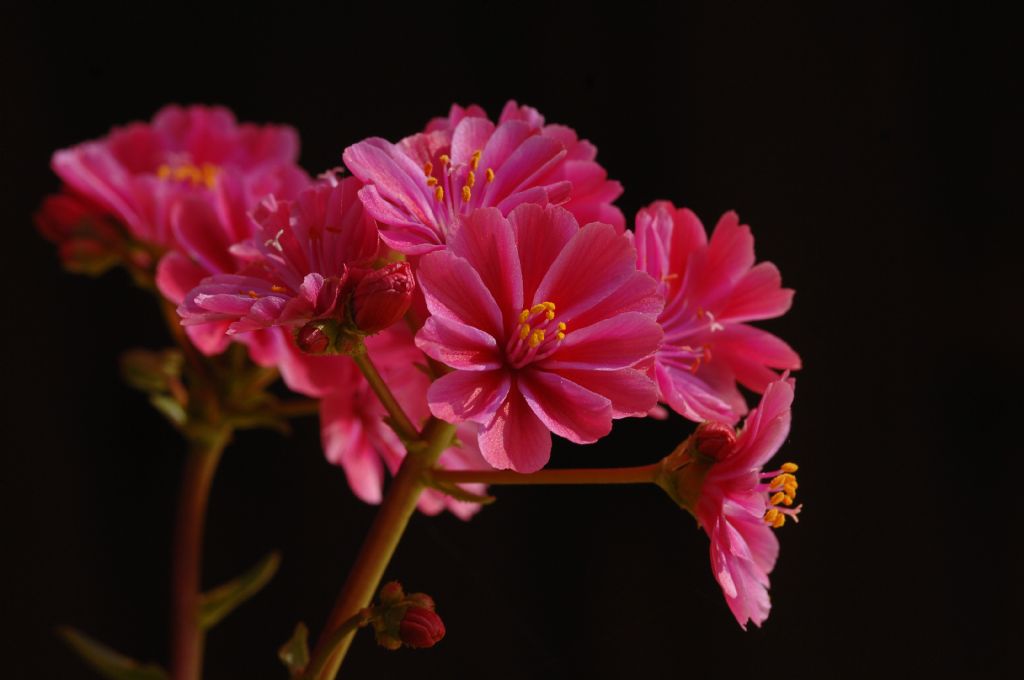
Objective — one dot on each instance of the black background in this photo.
(876, 153)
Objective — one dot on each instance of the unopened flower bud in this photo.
(88, 239)
(714, 440)
(318, 336)
(391, 593)
(421, 628)
(382, 297)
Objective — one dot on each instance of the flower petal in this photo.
(468, 395)
(618, 342)
(457, 345)
(568, 410)
(454, 290)
(515, 438)
(632, 393)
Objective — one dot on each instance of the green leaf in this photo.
(295, 653)
(106, 661)
(170, 407)
(152, 371)
(222, 600)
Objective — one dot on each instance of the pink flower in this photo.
(138, 171)
(355, 436)
(739, 505)
(543, 323)
(421, 188)
(711, 289)
(299, 263)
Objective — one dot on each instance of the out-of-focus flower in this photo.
(711, 288)
(355, 436)
(421, 188)
(543, 323)
(717, 475)
(299, 263)
(138, 171)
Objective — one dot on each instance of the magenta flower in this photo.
(421, 188)
(299, 263)
(138, 171)
(711, 290)
(739, 504)
(543, 323)
(355, 436)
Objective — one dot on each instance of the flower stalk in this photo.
(642, 474)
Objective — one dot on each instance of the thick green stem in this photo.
(400, 422)
(392, 518)
(628, 475)
(186, 633)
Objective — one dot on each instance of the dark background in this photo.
(875, 152)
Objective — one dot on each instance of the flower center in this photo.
(455, 183)
(782, 488)
(198, 175)
(536, 337)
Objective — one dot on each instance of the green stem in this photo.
(297, 408)
(628, 475)
(385, 533)
(399, 421)
(186, 633)
(319, 662)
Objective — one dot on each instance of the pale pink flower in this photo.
(355, 436)
(711, 288)
(138, 171)
(300, 263)
(421, 188)
(543, 323)
(739, 504)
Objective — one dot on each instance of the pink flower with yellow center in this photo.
(138, 171)
(718, 475)
(543, 323)
(712, 289)
(421, 188)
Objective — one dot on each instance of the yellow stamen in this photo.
(474, 160)
(787, 501)
(538, 308)
(779, 497)
(561, 326)
(467, 193)
(524, 330)
(524, 315)
(560, 335)
(428, 168)
(164, 171)
(254, 295)
(439, 193)
(470, 179)
(779, 521)
(444, 159)
(278, 289)
(771, 515)
(790, 467)
(431, 181)
(490, 175)
(536, 337)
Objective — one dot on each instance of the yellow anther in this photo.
(549, 305)
(771, 515)
(789, 490)
(470, 179)
(210, 173)
(524, 330)
(536, 337)
(439, 193)
(164, 171)
(790, 467)
(490, 175)
(524, 315)
(561, 326)
(444, 159)
(474, 160)
(428, 168)
(278, 289)
(779, 497)
(467, 193)
(560, 336)
(538, 308)
(254, 295)
(782, 480)
(431, 181)
(787, 501)
(779, 521)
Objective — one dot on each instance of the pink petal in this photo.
(618, 342)
(707, 395)
(515, 438)
(758, 295)
(345, 443)
(751, 353)
(468, 395)
(632, 393)
(567, 409)
(458, 345)
(455, 291)
(176, 275)
(766, 428)
(541, 234)
(487, 241)
(637, 293)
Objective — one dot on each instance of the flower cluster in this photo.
(484, 269)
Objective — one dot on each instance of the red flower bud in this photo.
(713, 440)
(421, 627)
(88, 238)
(316, 337)
(382, 297)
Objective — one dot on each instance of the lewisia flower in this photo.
(718, 476)
(301, 263)
(355, 436)
(543, 323)
(421, 188)
(138, 171)
(711, 288)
